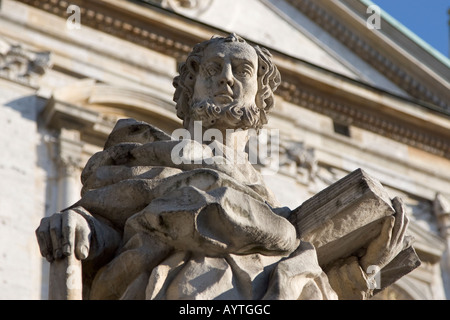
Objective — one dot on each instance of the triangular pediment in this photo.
(263, 23)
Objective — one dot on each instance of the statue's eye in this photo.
(244, 71)
(211, 69)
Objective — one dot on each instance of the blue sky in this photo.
(426, 18)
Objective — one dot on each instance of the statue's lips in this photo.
(223, 98)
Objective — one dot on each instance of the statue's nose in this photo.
(226, 77)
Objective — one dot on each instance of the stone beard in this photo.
(233, 116)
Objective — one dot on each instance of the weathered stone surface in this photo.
(112, 156)
(66, 279)
(130, 130)
(343, 217)
(405, 262)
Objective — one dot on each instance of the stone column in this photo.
(69, 167)
(65, 275)
(441, 208)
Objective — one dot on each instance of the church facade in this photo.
(357, 91)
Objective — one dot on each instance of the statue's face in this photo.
(227, 74)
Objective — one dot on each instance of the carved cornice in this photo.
(154, 35)
(368, 53)
(21, 65)
(197, 6)
(365, 118)
(441, 208)
(429, 246)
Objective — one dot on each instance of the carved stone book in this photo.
(345, 217)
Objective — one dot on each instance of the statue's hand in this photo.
(63, 234)
(391, 240)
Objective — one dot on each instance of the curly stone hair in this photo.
(268, 80)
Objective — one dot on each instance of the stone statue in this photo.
(198, 223)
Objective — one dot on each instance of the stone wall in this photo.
(22, 188)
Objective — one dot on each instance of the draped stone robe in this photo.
(192, 230)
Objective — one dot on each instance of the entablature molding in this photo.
(155, 30)
(93, 109)
(352, 103)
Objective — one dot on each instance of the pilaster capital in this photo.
(69, 150)
(22, 65)
(441, 208)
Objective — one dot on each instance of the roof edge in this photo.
(410, 34)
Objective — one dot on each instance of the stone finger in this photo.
(387, 230)
(403, 225)
(82, 238)
(398, 205)
(56, 235)
(402, 233)
(44, 241)
(68, 231)
(398, 228)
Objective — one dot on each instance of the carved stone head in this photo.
(227, 84)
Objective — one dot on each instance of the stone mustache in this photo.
(148, 228)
